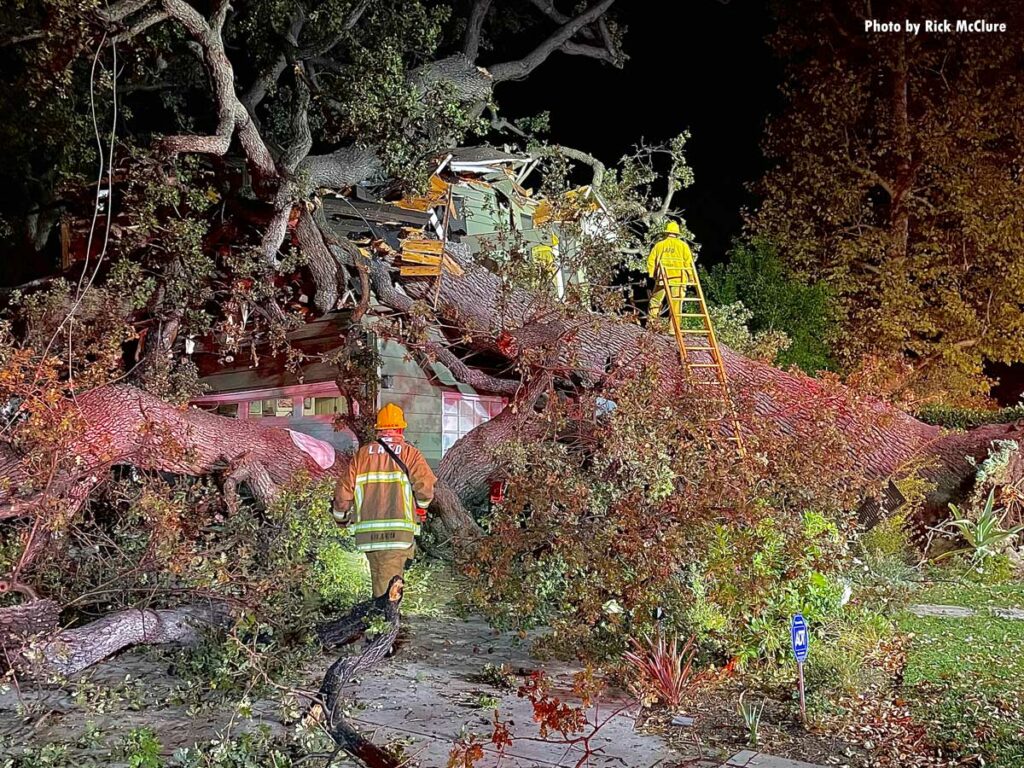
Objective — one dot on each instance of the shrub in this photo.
(732, 327)
(985, 535)
(648, 515)
(955, 417)
(778, 302)
(661, 668)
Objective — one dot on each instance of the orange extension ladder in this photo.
(698, 347)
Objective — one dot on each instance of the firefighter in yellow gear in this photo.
(383, 496)
(547, 258)
(672, 253)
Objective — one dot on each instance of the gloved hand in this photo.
(343, 518)
(421, 514)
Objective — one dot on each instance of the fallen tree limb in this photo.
(19, 623)
(73, 650)
(346, 630)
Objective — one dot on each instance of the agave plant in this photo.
(985, 536)
(662, 666)
(751, 714)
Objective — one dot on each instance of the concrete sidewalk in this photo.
(426, 698)
(748, 759)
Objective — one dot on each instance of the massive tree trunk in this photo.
(520, 324)
(124, 425)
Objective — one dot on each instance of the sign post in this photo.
(800, 639)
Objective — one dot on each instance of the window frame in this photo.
(495, 404)
(296, 393)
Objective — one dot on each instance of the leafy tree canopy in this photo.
(897, 181)
(777, 302)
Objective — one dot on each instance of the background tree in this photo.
(774, 303)
(897, 182)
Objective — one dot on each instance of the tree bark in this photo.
(73, 650)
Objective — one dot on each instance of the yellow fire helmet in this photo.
(391, 417)
(671, 227)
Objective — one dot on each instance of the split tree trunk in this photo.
(124, 425)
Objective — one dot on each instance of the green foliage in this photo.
(732, 328)
(253, 749)
(486, 701)
(141, 749)
(497, 675)
(984, 533)
(745, 612)
(643, 498)
(845, 657)
(780, 306)
(955, 417)
(158, 540)
(886, 552)
(751, 713)
(872, 193)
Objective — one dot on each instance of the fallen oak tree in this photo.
(556, 351)
(124, 425)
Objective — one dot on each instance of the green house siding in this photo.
(412, 390)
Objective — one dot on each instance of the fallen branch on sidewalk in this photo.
(346, 630)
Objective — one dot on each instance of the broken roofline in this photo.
(484, 159)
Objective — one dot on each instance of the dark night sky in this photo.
(699, 65)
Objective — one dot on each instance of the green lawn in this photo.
(966, 676)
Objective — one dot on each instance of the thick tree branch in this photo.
(118, 12)
(253, 97)
(586, 158)
(150, 19)
(74, 650)
(302, 137)
(319, 259)
(474, 29)
(517, 70)
(478, 380)
(232, 115)
(591, 51)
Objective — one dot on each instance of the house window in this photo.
(279, 407)
(227, 409)
(323, 406)
(463, 413)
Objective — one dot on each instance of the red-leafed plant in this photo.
(662, 669)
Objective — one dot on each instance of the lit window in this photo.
(228, 409)
(463, 413)
(323, 406)
(274, 407)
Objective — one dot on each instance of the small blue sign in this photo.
(799, 637)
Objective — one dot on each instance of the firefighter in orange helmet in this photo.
(383, 495)
(674, 255)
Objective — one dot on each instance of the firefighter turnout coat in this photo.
(377, 498)
(675, 256)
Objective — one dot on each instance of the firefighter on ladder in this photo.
(672, 253)
(388, 485)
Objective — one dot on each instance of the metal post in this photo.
(800, 683)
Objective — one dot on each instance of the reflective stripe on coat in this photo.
(382, 496)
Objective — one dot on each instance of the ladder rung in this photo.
(705, 365)
(701, 331)
(692, 314)
(700, 349)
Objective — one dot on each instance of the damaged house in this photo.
(474, 201)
